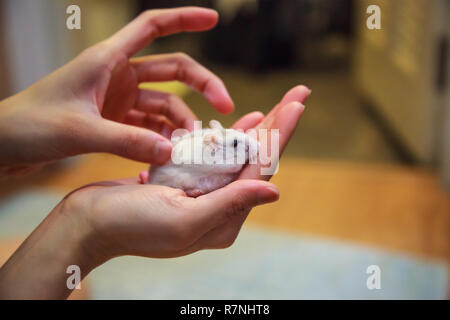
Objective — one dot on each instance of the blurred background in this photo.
(364, 181)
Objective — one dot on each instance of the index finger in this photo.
(286, 122)
(152, 24)
(233, 200)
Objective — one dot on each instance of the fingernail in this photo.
(268, 194)
(307, 96)
(227, 96)
(162, 152)
(220, 99)
(298, 105)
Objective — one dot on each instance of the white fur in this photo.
(184, 173)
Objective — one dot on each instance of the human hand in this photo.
(284, 117)
(113, 218)
(93, 103)
(130, 218)
(156, 221)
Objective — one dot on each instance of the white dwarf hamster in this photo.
(205, 160)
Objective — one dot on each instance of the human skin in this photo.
(93, 103)
(124, 217)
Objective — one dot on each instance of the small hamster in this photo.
(205, 160)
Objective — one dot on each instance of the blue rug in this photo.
(262, 264)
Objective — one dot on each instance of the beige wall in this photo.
(36, 40)
(4, 74)
(395, 69)
(101, 18)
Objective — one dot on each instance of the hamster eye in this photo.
(235, 143)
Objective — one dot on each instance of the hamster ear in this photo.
(214, 124)
(178, 134)
(211, 140)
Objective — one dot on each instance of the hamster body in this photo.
(205, 160)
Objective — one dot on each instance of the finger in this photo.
(158, 23)
(154, 122)
(115, 182)
(297, 94)
(168, 105)
(127, 141)
(286, 122)
(180, 67)
(127, 181)
(248, 121)
(20, 170)
(105, 183)
(222, 236)
(235, 199)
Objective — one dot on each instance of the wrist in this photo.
(79, 238)
(38, 269)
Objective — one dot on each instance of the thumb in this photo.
(233, 200)
(128, 141)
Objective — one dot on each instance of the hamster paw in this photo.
(194, 193)
(143, 177)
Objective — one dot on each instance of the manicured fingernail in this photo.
(268, 194)
(162, 151)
